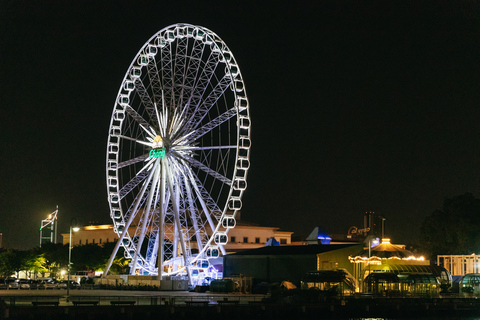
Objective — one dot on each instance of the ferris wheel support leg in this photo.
(120, 239)
(177, 222)
(205, 209)
(161, 217)
(194, 215)
(146, 216)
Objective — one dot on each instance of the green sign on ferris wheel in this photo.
(157, 153)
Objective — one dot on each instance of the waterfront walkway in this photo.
(111, 304)
(106, 297)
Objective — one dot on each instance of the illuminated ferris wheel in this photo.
(178, 153)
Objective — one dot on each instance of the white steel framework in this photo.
(178, 153)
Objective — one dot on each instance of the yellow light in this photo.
(50, 216)
(105, 226)
(75, 229)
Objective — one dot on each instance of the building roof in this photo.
(292, 250)
(405, 268)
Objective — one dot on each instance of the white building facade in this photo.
(460, 265)
(241, 237)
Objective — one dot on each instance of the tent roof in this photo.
(385, 250)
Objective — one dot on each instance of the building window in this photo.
(107, 240)
(257, 240)
(100, 240)
(232, 239)
(93, 241)
(80, 242)
(245, 239)
(86, 241)
(283, 241)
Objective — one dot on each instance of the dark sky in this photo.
(356, 106)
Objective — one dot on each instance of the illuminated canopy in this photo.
(384, 251)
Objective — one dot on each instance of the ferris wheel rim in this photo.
(240, 108)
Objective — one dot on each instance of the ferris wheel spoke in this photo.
(191, 73)
(194, 148)
(179, 71)
(202, 110)
(147, 143)
(167, 71)
(201, 84)
(137, 117)
(209, 206)
(135, 181)
(146, 100)
(213, 123)
(132, 161)
(155, 82)
(197, 164)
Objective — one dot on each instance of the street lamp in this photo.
(74, 229)
(370, 241)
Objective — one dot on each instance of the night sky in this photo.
(356, 106)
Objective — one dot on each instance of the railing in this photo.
(172, 300)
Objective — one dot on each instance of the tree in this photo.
(87, 257)
(36, 263)
(120, 266)
(94, 257)
(454, 229)
(12, 262)
(55, 254)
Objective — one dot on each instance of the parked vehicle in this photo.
(73, 284)
(34, 284)
(24, 283)
(12, 283)
(51, 284)
(62, 284)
